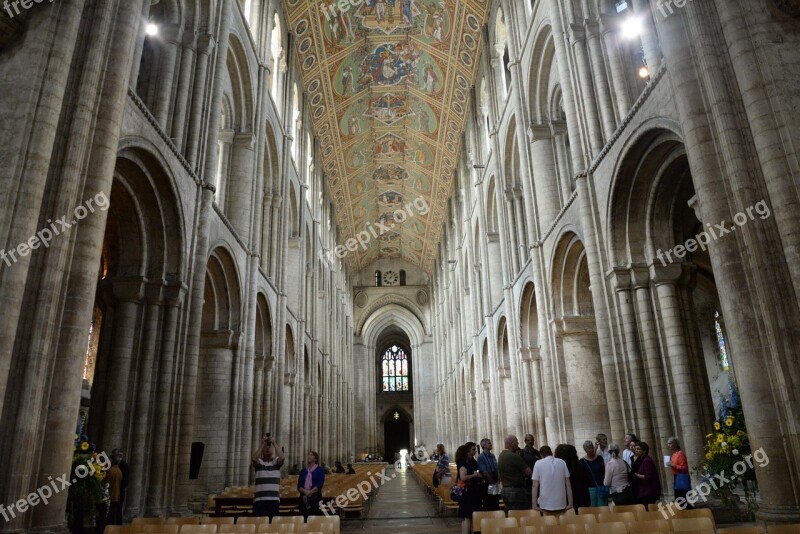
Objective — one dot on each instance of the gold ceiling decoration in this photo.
(388, 82)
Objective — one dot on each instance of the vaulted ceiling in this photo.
(388, 84)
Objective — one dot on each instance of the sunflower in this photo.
(709, 435)
(709, 456)
(729, 421)
(85, 446)
(739, 433)
(716, 425)
(720, 438)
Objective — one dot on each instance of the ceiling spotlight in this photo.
(151, 29)
(644, 72)
(632, 28)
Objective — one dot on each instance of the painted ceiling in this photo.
(388, 82)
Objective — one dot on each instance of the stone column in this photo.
(564, 177)
(600, 80)
(180, 115)
(172, 36)
(129, 294)
(653, 364)
(652, 50)
(161, 427)
(141, 416)
(544, 177)
(579, 161)
(598, 290)
(240, 184)
(584, 376)
(687, 410)
(223, 174)
(89, 168)
(616, 62)
(577, 37)
(637, 385)
(205, 45)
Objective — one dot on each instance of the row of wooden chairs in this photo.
(175, 525)
(220, 529)
(633, 528)
(698, 521)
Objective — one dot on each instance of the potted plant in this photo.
(88, 497)
(727, 450)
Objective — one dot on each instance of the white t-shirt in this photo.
(553, 475)
(627, 455)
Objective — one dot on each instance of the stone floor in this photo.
(401, 506)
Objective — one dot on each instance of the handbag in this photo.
(458, 492)
(683, 482)
(436, 479)
(632, 480)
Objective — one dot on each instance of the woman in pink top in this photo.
(679, 465)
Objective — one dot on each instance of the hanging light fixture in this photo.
(151, 29)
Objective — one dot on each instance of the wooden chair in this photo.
(696, 512)
(741, 530)
(200, 529)
(477, 517)
(703, 524)
(322, 528)
(183, 521)
(612, 527)
(334, 520)
(652, 516)
(120, 529)
(276, 528)
(784, 529)
(635, 508)
(576, 519)
(563, 529)
(249, 520)
(288, 519)
(619, 517)
(139, 522)
(519, 530)
(594, 510)
(650, 526)
(217, 521)
(491, 526)
(538, 521)
(237, 529)
(160, 529)
(524, 513)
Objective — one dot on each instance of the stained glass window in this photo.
(395, 369)
(723, 350)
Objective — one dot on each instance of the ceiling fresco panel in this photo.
(388, 84)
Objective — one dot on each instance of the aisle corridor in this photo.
(401, 506)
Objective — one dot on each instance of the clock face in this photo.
(390, 278)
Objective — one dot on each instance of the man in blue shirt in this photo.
(487, 464)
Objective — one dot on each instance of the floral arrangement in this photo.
(88, 492)
(727, 446)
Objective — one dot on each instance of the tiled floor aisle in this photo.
(401, 506)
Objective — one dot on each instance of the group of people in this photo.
(552, 482)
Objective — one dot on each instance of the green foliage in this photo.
(88, 493)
